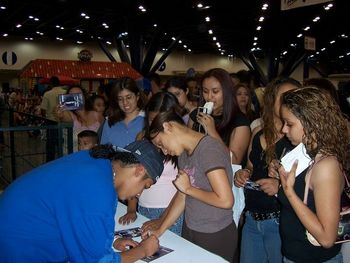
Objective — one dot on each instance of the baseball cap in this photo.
(147, 154)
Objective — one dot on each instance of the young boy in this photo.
(87, 139)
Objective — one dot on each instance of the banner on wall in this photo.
(9, 58)
(310, 43)
(290, 4)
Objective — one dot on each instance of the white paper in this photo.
(298, 153)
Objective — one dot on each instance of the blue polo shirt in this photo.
(121, 134)
(61, 211)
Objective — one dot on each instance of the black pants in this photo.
(222, 243)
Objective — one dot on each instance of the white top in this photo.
(184, 251)
(160, 194)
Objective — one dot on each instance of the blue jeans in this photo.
(337, 259)
(261, 241)
(155, 213)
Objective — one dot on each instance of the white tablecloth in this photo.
(184, 251)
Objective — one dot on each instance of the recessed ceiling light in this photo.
(155, 25)
(323, 49)
(109, 43)
(189, 50)
(214, 38)
(258, 28)
(199, 5)
(255, 38)
(87, 17)
(207, 19)
(306, 28)
(5, 35)
(18, 25)
(332, 42)
(2, 7)
(82, 14)
(254, 44)
(300, 35)
(316, 19)
(261, 19)
(210, 32)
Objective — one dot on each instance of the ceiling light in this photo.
(261, 19)
(104, 24)
(5, 35)
(329, 6)
(316, 19)
(173, 38)
(82, 14)
(222, 53)
(210, 32)
(207, 19)
(332, 42)
(323, 49)
(265, 6)
(163, 49)
(258, 28)
(36, 19)
(185, 46)
(341, 56)
(127, 46)
(317, 53)
(18, 25)
(141, 7)
(143, 10)
(253, 49)
(155, 25)
(300, 35)
(214, 38)
(200, 5)
(2, 7)
(58, 38)
(189, 50)
(31, 17)
(87, 17)
(306, 28)
(285, 52)
(180, 41)
(254, 44)
(255, 38)
(79, 42)
(293, 45)
(109, 43)
(348, 54)
(344, 36)
(311, 56)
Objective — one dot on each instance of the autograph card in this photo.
(161, 252)
(298, 153)
(129, 233)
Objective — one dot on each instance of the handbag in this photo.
(343, 234)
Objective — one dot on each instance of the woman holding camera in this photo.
(84, 118)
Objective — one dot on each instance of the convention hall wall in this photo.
(176, 63)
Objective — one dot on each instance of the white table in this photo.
(184, 251)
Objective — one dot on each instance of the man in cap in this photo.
(64, 210)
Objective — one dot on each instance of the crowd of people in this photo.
(173, 164)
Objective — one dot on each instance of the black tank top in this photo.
(258, 201)
(295, 245)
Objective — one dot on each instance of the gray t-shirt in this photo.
(209, 155)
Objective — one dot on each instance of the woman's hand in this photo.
(207, 122)
(270, 186)
(241, 177)
(151, 225)
(150, 245)
(273, 169)
(182, 182)
(128, 218)
(123, 244)
(288, 178)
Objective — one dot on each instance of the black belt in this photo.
(264, 216)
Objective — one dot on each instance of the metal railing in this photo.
(27, 141)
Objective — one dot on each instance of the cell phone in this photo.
(252, 185)
(73, 101)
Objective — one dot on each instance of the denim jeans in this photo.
(337, 259)
(261, 241)
(155, 213)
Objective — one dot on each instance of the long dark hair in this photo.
(323, 122)
(230, 107)
(115, 114)
(162, 102)
(269, 130)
